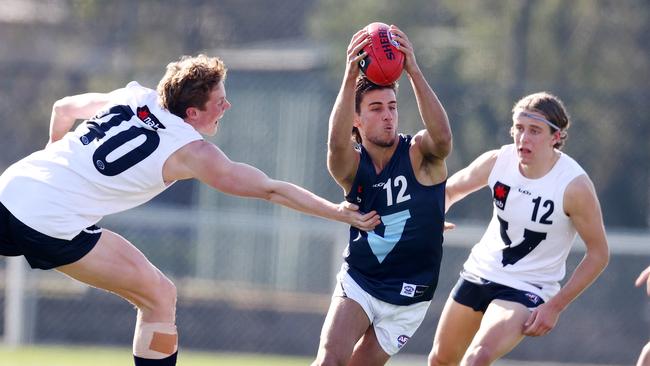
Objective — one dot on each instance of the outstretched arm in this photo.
(581, 205)
(205, 162)
(437, 141)
(470, 179)
(467, 180)
(342, 159)
(69, 109)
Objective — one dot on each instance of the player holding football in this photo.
(509, 287)
(135, 143)
(389, 275)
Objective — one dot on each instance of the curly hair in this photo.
(188, 83)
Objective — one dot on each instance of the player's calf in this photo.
(155, 341)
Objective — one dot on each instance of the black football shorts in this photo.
(40, 250)
(479, 295)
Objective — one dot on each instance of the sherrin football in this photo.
(384, 62)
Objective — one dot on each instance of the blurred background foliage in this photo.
(479, 56)
(253, 277)
(482, 56)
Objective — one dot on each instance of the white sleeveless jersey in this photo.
(108, 164)
(529, 237)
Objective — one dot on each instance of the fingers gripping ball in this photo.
(384, 62)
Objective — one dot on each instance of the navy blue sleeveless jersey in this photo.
(399, 261)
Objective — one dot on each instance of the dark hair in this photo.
(551, 107)
(188, 83)
(364, 86)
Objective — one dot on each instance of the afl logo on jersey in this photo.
(500, 191)
(408, 290)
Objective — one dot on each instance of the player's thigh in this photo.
(501, 328)
(368, 351)
(457, 326)
(345, 323)
(114, 264)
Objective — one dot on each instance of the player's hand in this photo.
(449, 226)
(356, 53)
(541, 321)
(404, 45)
(644, 277)
(365, 222)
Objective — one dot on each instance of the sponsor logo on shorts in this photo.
(401, 340)
(533, 298)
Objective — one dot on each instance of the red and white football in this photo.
(384, 62)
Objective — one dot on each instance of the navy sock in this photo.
(167, 361)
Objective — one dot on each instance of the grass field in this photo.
(95, 356)
(106, 356)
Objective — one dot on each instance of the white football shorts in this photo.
(394, 324)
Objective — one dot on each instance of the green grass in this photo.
(96, 356)
(107, 356)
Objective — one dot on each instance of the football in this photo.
(384, 62)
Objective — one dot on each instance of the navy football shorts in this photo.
(40, 250)
(479, 295)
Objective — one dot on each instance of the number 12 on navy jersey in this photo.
(399, 182)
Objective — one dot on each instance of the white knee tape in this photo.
(155, 340)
